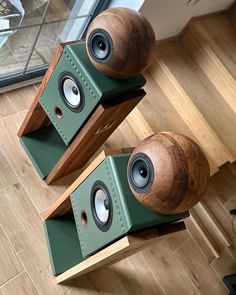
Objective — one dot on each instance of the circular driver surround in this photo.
(101, 206)
(140, 173)
(100, 45)
(71, 92)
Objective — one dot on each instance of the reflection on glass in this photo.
(46, 44)
(8, 63)
(15, 52)
(31, 29)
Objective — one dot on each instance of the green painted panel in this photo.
(138, 216)
(63, 243)
(129, 215)
(106, 87)
(96, 87)
(91, 238)
(44, 147)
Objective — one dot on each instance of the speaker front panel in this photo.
(98, 211)
(69, 98)
(76, 87)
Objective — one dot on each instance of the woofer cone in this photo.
(100, 45)
(71, 92)
(140, 173)
(101, 206)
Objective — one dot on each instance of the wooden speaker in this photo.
(168, 172)
(120, 42)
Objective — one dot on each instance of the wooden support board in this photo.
(121, 249)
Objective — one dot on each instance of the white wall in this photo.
(168, 17)
(133, 4)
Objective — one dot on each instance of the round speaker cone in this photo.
(100, 45)
(71, 92)
(101, 206)
(140, 172)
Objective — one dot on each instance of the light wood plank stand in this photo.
(117, 251)
(105, 119)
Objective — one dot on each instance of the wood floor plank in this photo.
(22, 98)
(212, 65)
(107, 282)
(195, 120)
(220, 214)
(41, 195)
(7, 176)
(167, 270)
(21, 285)
(178, 239)
(225, 265)
(203, 243)
(220, 35)
(6, 108)
(10, 264)
(200, 272)
(221, 187)
(136, 276)
(24, 227)
(201, 91)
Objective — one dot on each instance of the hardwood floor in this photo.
(191, 89)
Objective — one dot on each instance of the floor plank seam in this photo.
(192, 237)
(181, 266)
(11, 102)
(12, 279)
(155, 277)
(16, 253)
(17, 177)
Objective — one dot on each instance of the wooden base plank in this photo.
(121, 249)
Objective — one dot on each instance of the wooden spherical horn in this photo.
(120, 42)
(168, 173)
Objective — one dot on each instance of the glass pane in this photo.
(62, 9)
(45, 47)
(21, 12)
(8, 63)
(16, 50)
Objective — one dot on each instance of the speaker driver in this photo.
(101, 206)
(141, 173)
(100, 45)
(71, 92)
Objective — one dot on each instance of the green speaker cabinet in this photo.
(105, 208)
(75, 110)
(95, 222)
(76, 87)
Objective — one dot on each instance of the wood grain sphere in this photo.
(120, 42)
(178, 175)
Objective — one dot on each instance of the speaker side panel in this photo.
(138, 216)
(92, 237)
(66, 121)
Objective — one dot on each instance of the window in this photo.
(31, 29)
